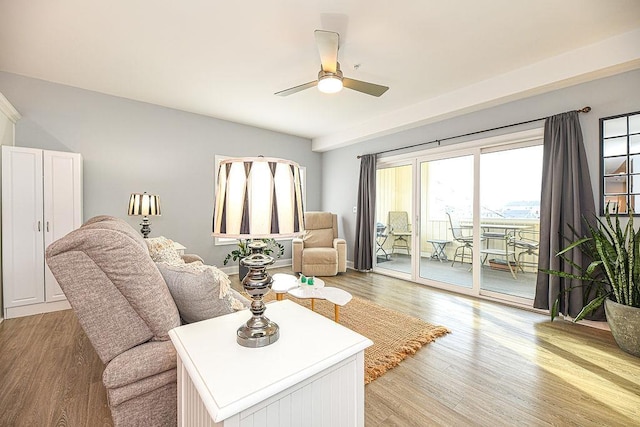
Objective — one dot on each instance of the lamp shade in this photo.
(258, 197)
(144, 204)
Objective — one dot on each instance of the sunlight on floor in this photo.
(571, 362)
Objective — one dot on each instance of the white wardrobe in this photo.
(41, 202)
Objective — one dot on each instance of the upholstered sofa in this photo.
(320, 252)
(125, 308)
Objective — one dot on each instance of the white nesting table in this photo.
(305, 291)
(313, 374)
(282, 283)
(286, 283)
(337, 296)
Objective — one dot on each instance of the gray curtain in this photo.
(566, 197)
(366, 214)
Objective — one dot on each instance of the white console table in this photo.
(313, 374)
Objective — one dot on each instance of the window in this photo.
(620, 163)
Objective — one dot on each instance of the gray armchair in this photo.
(126, 310)
(320, 252)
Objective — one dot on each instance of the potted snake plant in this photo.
(274, 249)
(613, 276)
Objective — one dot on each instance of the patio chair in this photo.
(465, 241)
(400, 229)
(381, 238)
(529, 242)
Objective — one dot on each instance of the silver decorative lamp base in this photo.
(258, 331)
(146, 227)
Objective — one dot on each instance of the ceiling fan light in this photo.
(330, 84)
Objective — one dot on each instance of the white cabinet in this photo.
(41, 202)
(8, 118)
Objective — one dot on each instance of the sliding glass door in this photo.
(446, 220)
(466, 220)
(510, 219)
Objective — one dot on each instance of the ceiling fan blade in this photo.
(296, 89)
(328, 43)
(364, 87)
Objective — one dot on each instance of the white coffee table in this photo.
(337, 296)
(305, 291)
(282, 283)
(287, 283)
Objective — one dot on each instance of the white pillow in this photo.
(162, 249)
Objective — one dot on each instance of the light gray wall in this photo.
(130, 146)
(608, 96)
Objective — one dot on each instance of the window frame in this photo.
(628, 174)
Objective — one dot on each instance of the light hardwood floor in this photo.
(500, 366)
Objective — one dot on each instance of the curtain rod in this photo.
(582, 110)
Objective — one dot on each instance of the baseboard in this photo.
(29, 310)
(351, 267)
(234, 268)
(590, 323)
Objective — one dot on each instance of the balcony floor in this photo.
(460, 274)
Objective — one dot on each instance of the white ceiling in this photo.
(226, 59)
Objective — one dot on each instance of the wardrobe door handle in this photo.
(39, 226)
(47, 226)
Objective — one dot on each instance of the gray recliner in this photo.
(125, 308)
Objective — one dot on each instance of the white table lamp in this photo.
(145, 205)
(256, 198)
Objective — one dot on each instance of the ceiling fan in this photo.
(330, 79)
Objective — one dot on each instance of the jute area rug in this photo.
(395, 335)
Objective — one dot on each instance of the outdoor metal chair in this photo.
(465, 241)
(400, 229)
(381, 238)
(529, 243)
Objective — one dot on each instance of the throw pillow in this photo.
(161, 249)
(201, 292)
